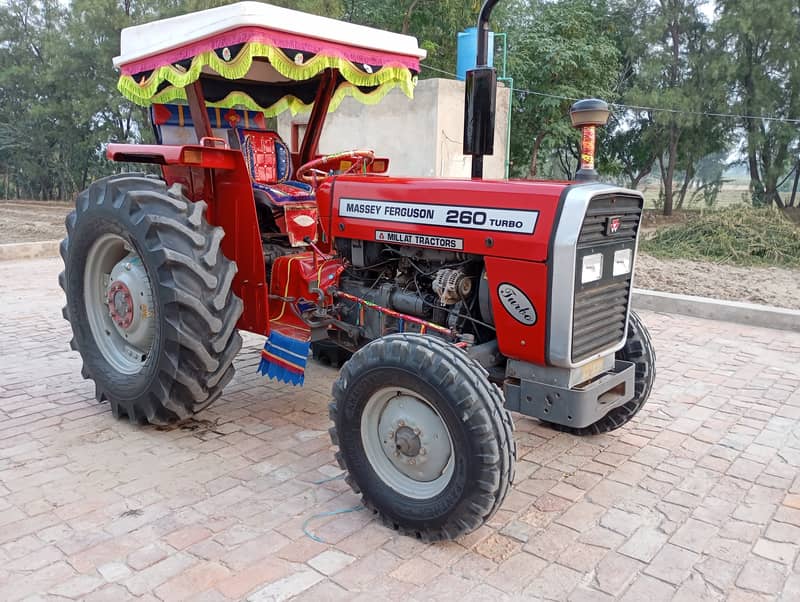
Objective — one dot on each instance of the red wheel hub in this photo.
(120, 305)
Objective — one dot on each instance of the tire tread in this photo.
(200, 338)
(481, 407)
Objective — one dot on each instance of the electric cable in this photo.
(641, 107)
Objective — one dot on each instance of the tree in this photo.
(632, 146)
(557, 51)
(764, 80)
(670, 71)
(433, 22)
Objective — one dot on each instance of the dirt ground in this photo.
(28, 221)
(32, 221)
(767, 286)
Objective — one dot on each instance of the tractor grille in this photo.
(598, 319)
(601, 208)
(601, 308)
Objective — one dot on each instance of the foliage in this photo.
(741, 235)
(565, 50)
(433, 22)
(763, 80)
(59, 105)
(58, 97)
(668, 62)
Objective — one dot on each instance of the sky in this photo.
(708, 9)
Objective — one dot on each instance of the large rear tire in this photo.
(149, 299)
(423, 436)
(639, 350)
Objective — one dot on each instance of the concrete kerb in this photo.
(749, 314)
(29, 250)
(670, 303)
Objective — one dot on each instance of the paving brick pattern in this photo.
(697, 499)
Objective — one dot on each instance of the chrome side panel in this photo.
(559, 344)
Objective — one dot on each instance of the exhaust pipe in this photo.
(480, 98)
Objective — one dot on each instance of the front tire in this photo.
(149, 299)
(423, 436)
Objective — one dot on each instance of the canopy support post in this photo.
(197, 109)
(318, 113)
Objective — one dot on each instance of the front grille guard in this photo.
(591, 321)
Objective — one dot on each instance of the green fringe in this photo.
(367, 98)
(145, 93)
(291, 103)
(236, 100)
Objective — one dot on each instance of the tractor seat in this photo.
(269, 163)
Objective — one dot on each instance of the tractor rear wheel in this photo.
(149, 299)
(638, 350)
(423, 436)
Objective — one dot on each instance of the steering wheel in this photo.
(315, 171)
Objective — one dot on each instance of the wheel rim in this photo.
(119, 303)
(407, 443)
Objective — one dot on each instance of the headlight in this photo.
(592, 268)
(622, 262)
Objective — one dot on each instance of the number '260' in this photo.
(465, 217)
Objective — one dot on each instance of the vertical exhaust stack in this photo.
(480, 97)
(586, 115)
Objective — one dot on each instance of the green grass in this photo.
(736, 235)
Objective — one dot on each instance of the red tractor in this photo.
(459, 300)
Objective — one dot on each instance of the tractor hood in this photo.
(513, 219)
(262, 57)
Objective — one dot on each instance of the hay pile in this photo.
(738, 235)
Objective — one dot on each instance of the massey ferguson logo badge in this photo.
(613, 224)
(517, 304)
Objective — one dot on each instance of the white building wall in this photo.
(421, 137)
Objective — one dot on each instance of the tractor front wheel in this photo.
(149, 299)
(423, 436)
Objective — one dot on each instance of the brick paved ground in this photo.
(698, 499)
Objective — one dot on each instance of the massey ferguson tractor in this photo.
(456, 300)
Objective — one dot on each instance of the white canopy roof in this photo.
(150, 39)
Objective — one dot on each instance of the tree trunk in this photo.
(750, 125)
(687, 179)
(794, 186)
(771, 193)
(639, 177)
(672, 156)
(537, 144)
(672, 159)
(407, 16)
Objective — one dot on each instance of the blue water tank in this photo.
(467, 50)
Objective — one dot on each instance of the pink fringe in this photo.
(276, 39)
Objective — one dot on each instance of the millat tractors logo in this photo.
(517, 304)
(613, 225)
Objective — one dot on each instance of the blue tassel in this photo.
(284, 358)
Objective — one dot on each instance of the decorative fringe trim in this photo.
(284, 358)
(291, 103)
(145, 92)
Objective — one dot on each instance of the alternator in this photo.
(451, 285)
